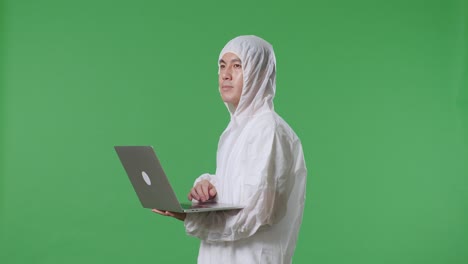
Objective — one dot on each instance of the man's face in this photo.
(231, 78)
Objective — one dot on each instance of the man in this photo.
(260, 164)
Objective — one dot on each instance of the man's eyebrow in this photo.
(233, 60)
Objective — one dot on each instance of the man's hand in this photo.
(180, 216)
(202, 191)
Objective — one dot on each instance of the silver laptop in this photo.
(152, 186)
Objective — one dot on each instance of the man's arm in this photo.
(266, 193)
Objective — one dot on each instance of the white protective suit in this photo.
(260, 164)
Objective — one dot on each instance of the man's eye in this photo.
(237, 66)
(222, 66)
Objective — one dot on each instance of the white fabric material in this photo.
(260, 164)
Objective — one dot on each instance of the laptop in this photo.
(152, 185)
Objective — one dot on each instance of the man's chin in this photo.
(226, 99)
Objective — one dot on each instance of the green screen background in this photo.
(376, 90)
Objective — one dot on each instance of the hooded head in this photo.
(258, 63)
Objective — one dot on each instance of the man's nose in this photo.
(227, 75)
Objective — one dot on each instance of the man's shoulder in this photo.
(271, 123)
(265, 121)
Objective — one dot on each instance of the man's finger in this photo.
(168, 213)
(194, 194)
(199, 192)
(159, 212)
(205, 191)
(212, 192)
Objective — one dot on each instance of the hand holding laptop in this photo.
(180, 216)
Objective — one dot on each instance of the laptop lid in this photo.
(148, 178)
